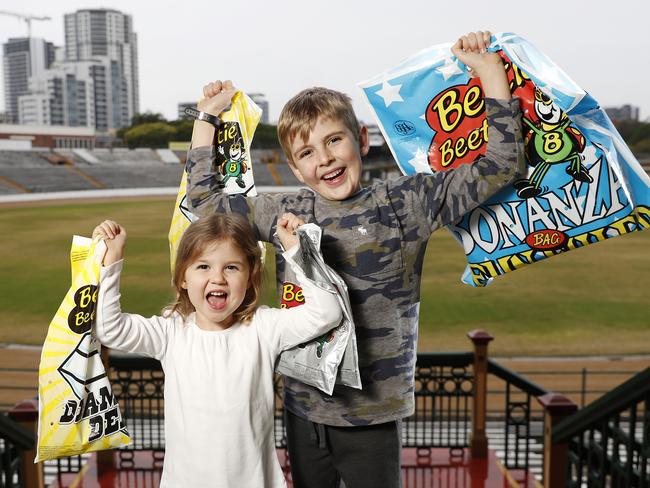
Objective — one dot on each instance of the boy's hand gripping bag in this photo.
(583, 183)
(331, 358)
(77, 410)
(233, 167)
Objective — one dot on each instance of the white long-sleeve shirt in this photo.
(219, 398)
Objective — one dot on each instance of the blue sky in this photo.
(283, 46)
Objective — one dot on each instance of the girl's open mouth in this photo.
(217, 299)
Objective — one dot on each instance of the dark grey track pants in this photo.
(322, 456)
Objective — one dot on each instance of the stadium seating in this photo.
(45, 179)
(23, 159)
(123, 156)
(287, 177)
(262, 175)
(167, 156)
(85, 169)
(7, 189)
(136, 176)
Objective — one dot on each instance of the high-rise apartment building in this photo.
(106, 37)
(61, 95)
(22, 58)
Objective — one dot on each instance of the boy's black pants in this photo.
(363, 457)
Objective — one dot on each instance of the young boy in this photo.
(375, 238)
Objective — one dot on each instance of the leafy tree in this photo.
(120, 132)
(183, 129)
(153, 135)
(635, 134)
(641, 147)
(147, 118)
(266, 137)
(633, 131)
(139, 119)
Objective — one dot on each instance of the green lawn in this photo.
(589, 301)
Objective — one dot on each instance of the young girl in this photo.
(217, 349)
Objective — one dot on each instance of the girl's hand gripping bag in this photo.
(233, 167)
(583, 183)
(331, 358)
(77, 410)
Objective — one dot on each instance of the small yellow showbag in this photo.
(77, 410)
(233, 164)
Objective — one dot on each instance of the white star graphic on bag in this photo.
(390, 93)
(420, 162)
(449, 69)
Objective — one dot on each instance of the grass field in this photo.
(589, 301)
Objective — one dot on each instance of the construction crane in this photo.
(27, 18)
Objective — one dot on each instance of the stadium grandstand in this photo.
(38, 170)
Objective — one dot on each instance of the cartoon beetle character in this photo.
(551, 140)
(326, 338)
(322, 340)
(234, 166)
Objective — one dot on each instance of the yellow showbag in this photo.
(77, 410)
(232, 168)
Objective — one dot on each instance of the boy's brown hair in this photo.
(300, 114)
(201, 234)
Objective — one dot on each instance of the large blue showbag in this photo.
(583, 183)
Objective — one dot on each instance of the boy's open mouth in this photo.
(334, 176)
(217, 299)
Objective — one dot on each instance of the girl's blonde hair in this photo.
(205, 232)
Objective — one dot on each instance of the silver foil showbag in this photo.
(332, 357)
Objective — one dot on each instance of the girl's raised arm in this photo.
(114, 329)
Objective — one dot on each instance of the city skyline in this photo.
(280, 48)
(89, 81)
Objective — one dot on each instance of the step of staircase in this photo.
(421, 468)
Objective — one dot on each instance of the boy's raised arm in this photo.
(446, 196)
(204, 195)
(217, 95)
(472, 51)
